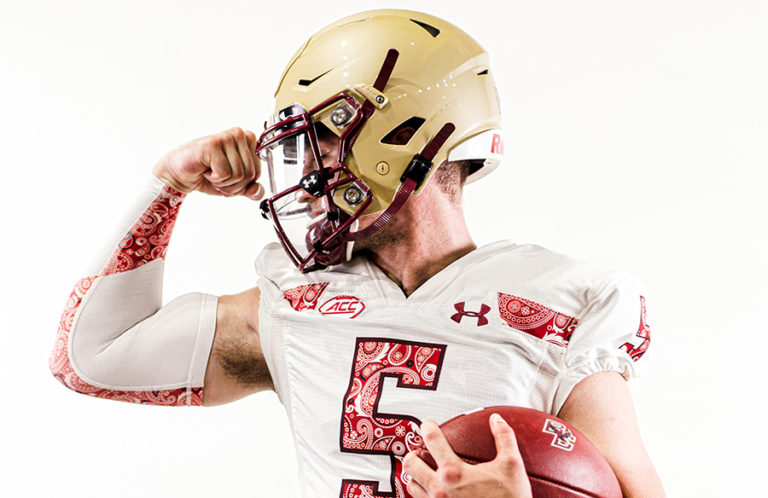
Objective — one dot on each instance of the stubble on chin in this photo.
(389, 235)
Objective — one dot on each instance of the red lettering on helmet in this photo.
(497, 144)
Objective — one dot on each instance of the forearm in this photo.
(114, 340)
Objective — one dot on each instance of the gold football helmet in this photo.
(397, 93)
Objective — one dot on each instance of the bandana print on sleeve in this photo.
(536, 319)
(644, 332)
(305, 297)
(146, 241)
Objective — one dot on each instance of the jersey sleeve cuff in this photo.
(205, 333)
(606, 361)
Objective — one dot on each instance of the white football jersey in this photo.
(358, 365)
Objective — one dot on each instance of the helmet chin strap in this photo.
(414, 175)
(349, 245)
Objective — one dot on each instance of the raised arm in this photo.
(116, 341)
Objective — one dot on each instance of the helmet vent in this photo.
(403, 132)
(483, 72)
(309, 82)
(429, 28)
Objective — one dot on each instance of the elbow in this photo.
(61, 367)
(59, 363)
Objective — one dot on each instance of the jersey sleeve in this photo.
(272, 266)
(116, 340)
(613, 335)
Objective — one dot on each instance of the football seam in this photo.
(563, 485)
(544, 479)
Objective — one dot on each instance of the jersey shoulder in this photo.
(537, 273)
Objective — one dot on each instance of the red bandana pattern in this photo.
(536, 319)
(364, 429)
(146, 241)
(305, 297)
(644, 332)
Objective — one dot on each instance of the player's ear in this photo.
(403, 133)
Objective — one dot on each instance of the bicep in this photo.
(236, 366)
(600, 406)
(115, 342)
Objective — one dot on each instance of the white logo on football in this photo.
(564, 438)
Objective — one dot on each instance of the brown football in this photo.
(561, 462)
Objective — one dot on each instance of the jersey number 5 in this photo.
(364, 429)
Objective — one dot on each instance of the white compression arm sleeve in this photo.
(116, 341)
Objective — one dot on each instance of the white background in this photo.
(635, 139)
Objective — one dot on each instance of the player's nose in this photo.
(317, 206)
(315, 203)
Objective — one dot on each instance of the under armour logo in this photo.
(311, 183)
(480, 315)
(564, 438)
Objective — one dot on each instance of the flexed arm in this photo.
(116, 341)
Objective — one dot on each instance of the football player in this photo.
(376, 311)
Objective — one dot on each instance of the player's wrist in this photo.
(162, 175)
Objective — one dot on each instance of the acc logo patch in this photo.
(342, 305)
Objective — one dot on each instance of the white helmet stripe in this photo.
(487, 146)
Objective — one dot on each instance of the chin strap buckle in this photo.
(417, 170)
(414, 175)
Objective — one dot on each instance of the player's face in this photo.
(328, 144)
(301, 153)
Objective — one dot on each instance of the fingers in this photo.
(237, 163)
(505, 475)
(507, 451)
(422, 476)
(436, 443)
(251, 140)
(416, 490)
(254, 191)
(217, 161)
(220, 164)
(234, 167)
(450, 468)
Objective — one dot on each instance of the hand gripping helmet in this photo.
(395, 92)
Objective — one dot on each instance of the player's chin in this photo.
(389, 235)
